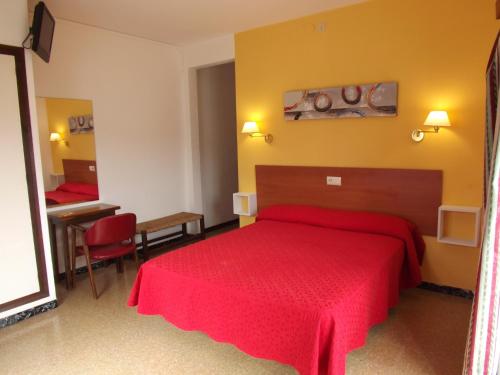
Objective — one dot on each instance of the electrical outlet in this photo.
(321, 27)
(334, 180)
(92, 168)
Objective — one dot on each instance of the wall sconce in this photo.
(436, 119)
(252, 129)
(56, 137)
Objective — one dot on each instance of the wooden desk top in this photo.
(79, 213)
(167, 222)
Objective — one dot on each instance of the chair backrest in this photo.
(111, 229)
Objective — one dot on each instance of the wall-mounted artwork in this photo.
(81, 124)
(376, 99)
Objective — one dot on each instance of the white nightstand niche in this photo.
(56, 179)
(443, 237)
(245, 204)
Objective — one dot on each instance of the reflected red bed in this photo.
(72, 192)
(301, 286)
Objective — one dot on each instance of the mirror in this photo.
(67, 145)
(23, 273)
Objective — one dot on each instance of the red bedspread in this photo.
(59, 197)
(297, 293)
(72, 192)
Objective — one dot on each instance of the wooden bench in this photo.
(181, 218)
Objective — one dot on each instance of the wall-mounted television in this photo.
(43, 31)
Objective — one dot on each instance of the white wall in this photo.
(135, 87)
(13, 22)
(143, 111)
(195, 56)
(218, 155)
(13, 29)
(209, 52)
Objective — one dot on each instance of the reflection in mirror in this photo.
(66, 131)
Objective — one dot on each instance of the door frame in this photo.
(194, 180)
(29, 162)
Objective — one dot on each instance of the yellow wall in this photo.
(80, 146)
(436, 50)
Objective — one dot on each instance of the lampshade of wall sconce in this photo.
(250, 127)
(437, 118)
(55, 137)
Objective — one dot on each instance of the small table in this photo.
(63, 219)
(181, 218)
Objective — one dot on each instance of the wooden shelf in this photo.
(441, 237)
(245, 204)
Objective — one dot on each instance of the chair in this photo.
(111, 237)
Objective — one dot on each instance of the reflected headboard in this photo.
(80, 171)
(414, 194)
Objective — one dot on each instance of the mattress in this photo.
(72, 193)
(293, 287)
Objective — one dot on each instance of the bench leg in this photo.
(145, 250)
(202, 227)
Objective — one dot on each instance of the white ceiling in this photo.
(181, 22)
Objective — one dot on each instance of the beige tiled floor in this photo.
(425, 334)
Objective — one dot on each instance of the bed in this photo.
(80, 183)
(304, 284)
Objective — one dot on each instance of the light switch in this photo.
(334, 180)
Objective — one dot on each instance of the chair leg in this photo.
(119, 265)
(136, 258)
(91, 273)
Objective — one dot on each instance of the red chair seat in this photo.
(111, 237)
(108, 251)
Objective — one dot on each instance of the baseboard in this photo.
(223, 225)
(450, 290)
(23, 315)
(83, 269)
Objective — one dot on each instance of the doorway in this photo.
(216, 104)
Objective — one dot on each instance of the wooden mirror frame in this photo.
(29, 162)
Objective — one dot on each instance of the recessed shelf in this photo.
(245, 204)
(56, 179)
(443, 237)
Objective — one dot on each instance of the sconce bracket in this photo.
(417, 135)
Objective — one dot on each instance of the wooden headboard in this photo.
(79, 171)
(414, 194)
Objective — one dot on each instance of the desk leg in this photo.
(145, 250)
(53, 246)
(67, 261)
(184, 230)
(202, 227)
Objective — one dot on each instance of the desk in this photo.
(63, 219)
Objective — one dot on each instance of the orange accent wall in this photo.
(437, 51)
(79, 146)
